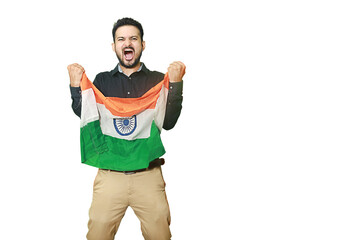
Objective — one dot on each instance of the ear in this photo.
(113, 46)
(143, 45)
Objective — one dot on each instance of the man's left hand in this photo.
(176, 71)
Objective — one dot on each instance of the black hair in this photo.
(127, 21)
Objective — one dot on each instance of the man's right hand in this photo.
(75, 72)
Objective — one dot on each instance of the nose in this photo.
(127, 42)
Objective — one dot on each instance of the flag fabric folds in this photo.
(121, 133)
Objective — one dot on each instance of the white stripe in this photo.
(161, 108)
(143, 125)
(89, 112)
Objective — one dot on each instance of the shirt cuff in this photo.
(176, 88)
(75, 91)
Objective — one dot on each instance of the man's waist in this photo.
(153, 164)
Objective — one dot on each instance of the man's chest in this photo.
(126, 87)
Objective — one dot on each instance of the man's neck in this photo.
(129, 71)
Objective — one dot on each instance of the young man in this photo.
(142, 188)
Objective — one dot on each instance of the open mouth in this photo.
(129, 54)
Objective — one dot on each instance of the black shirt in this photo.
(117, 84)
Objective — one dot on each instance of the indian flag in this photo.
(122, 133)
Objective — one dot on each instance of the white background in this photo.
(267, 145)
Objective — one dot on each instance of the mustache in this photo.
(125, 48)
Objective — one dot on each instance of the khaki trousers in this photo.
(144, 192)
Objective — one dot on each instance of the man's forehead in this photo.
(127, 30)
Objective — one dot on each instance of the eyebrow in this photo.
(129, 37)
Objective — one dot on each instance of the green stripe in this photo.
(103, 151)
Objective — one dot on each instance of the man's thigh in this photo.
(110, 201)
(149, 202)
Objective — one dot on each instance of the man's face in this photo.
(128, 46)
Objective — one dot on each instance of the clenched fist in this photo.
(176, 71)
(75, 72)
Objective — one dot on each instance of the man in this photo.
(141, 188)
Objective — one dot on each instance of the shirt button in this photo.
(128, 93)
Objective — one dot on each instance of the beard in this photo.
(130, 65)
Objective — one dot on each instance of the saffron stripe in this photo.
(127, 107)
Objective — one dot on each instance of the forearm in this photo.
(76, 100)
(173, 105)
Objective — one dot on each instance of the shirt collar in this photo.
(118, 69)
